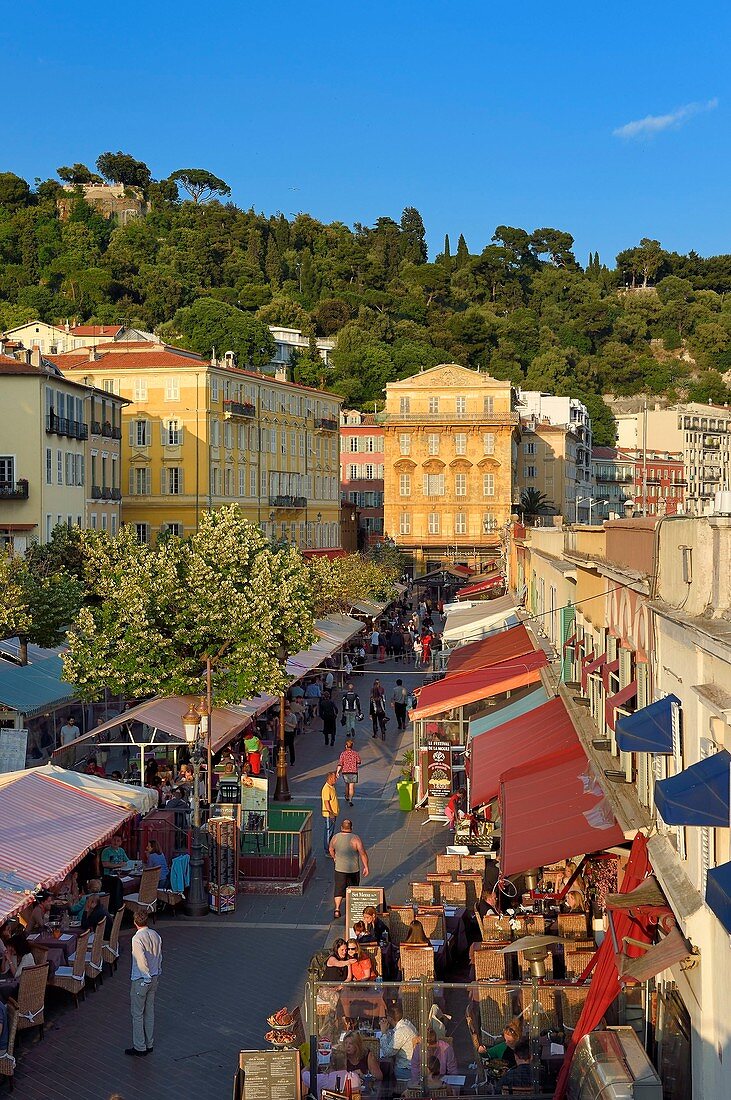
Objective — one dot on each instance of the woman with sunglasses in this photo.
(338, 965)
(362, 968)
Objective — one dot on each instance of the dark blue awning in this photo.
(718, 893)
(649, 729)
(699, 795)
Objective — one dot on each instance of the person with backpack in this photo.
(352, 711)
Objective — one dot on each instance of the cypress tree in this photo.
(463, 252)
(447, 252)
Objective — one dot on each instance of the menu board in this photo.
(269, 1075)
(358, 898)
(438, 778)
(254, 804)
(13, 747)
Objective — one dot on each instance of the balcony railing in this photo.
(287, 502)
(103, 492)
(17, 491)
(110, 431)
(324, 424)
(116, 494)
(239, 408)
(449, 418)
(96, 492)
(61, 425)
(612, 479)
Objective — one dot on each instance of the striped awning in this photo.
(46, 827)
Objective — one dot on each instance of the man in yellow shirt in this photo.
(330, 808)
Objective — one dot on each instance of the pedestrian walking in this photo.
(291, 722)
(146, 970)
(349, 855)
(399, 699)
(374, 642)
(352, 710)
(418, 650)
(330, 808)
(382, 642)
(329, 714)
(377, 710)
(348, 765)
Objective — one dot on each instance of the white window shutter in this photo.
(163, 481)
(131, 481)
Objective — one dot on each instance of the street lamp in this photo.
(318, 529)
(281, 790)
(197, 902)
(592, 502)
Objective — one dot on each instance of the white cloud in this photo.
(655, 124)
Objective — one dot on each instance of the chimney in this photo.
(67, 326)
(92, 354)
(35, 355)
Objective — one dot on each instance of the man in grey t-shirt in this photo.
(348, 852)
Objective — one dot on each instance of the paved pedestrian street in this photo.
(223, 975)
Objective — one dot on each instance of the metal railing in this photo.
(283, 501)
(325, 424)
(14, 491)
(279, 853)
(239, 408)
(450, 418)
(61, 425)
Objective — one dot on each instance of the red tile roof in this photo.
(8, 365)
(96, 330)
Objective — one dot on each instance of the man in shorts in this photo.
(349, 854)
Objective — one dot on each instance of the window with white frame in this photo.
(404, 442)
(7, 471)
(434, 523)
(488, 443)
(432, 441)
(460, 485)
(460, 405)
(405, 523)
(139, 433)
(140, 389)
(489, 523)
(49, 466)
(460, 443)
(59, 467)
(242, 481)
(529, 448)
(404, 405)
(214, 388)
(369, 471)
(488, 485)
(433, 485)
(488, 406)
(143, 532)
(460, 523)
(353, 444)
(433, 405)
(173, 432)
(404, 485)
(370, 444)
(172, 480)
(140, 481)
(252, 481)
(529, 472)
(172, 388)
(215, 433)
(352, 473)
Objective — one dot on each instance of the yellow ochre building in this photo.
(201, 434)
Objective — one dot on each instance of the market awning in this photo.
(470, 687)
(699, 795)
(471, 623)
(670, 950)
(34, 688)
(650, 729)
(718, 893)
(487, 585)
(124, 795)
(494, 650)
(497, 716)
(624, 695)
(589, 665)
(45, 829)
(608, 669)
(544, 730)
(552, 808)
(369, 608)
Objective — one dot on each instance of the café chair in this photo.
(572, 1005)
(39, 953)
(399, 919)
(170, 898)
(146, 897)
(31, 997)
(546, 997)
(579, 945)
(437, 877)
(576, 963)
(453, 893)
(72, 979)
(496, 928)
(572, 926)
(417, 961)
(423, 892)
(524, 965)
(375, 953)
(447, 863)
(110, 950)
(474, 883)
(93, 958)
(7, 1058)
(496, 1010)
(432, 920)
(489, 963)
(475, 863)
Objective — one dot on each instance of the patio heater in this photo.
(196, 904)
(535, 950)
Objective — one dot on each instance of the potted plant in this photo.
(406, 786)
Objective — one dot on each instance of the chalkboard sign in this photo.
(358, 898)
(13, 747)
(269, 1075)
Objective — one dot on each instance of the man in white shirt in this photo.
(397, 1042)
(146, 969)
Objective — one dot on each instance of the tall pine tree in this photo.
(413, 243)
(463, 252)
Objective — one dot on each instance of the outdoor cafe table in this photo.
(59, 949)
(360, 1003)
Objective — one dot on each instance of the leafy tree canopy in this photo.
(199, 183)
(207, 325)
(122, 168)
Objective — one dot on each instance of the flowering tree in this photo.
(338, 582)
(36, 605)
(155, 612)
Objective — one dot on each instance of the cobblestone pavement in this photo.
(224, 974)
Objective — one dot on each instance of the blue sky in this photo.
(478, 113)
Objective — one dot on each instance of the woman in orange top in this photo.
(362, 968)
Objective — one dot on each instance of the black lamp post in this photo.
(197, 902)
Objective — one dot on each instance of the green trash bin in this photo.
(406, 794)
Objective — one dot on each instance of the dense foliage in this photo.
(521, 307)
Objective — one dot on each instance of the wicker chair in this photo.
(416, 962)
(39, 953)
(432, 920)
(577, 962)
(171, 899)
(410, 998)
(579, 945)
(473, 886)
(93, 959)
(546, 996)
(496, 928)
(475, 863)
(572, 926)
(447, 863)
(72, 979)
(110, 950)
(7, 1059)
(376, 954)
(453, 893)
(146, 897)
(496, 1009)
(572, 1005)
(31, 997)
(439, 876)
(399, 919)
(489, 963)
(423, 893)
(532, 925)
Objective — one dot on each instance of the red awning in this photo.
(623, 696)
(495, 650)
(483, 683)
(543, 730)
(570, 641)
(481, 586)
(609, 668)
(335, 552)
(45, 829)
(589, 666)
(551, 811)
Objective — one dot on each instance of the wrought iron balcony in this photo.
(17, 491)
(288, 502)
(111, 432)
(323, 424)
(96, 492)
(61, 425)
(116, 494)
(239, 408)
